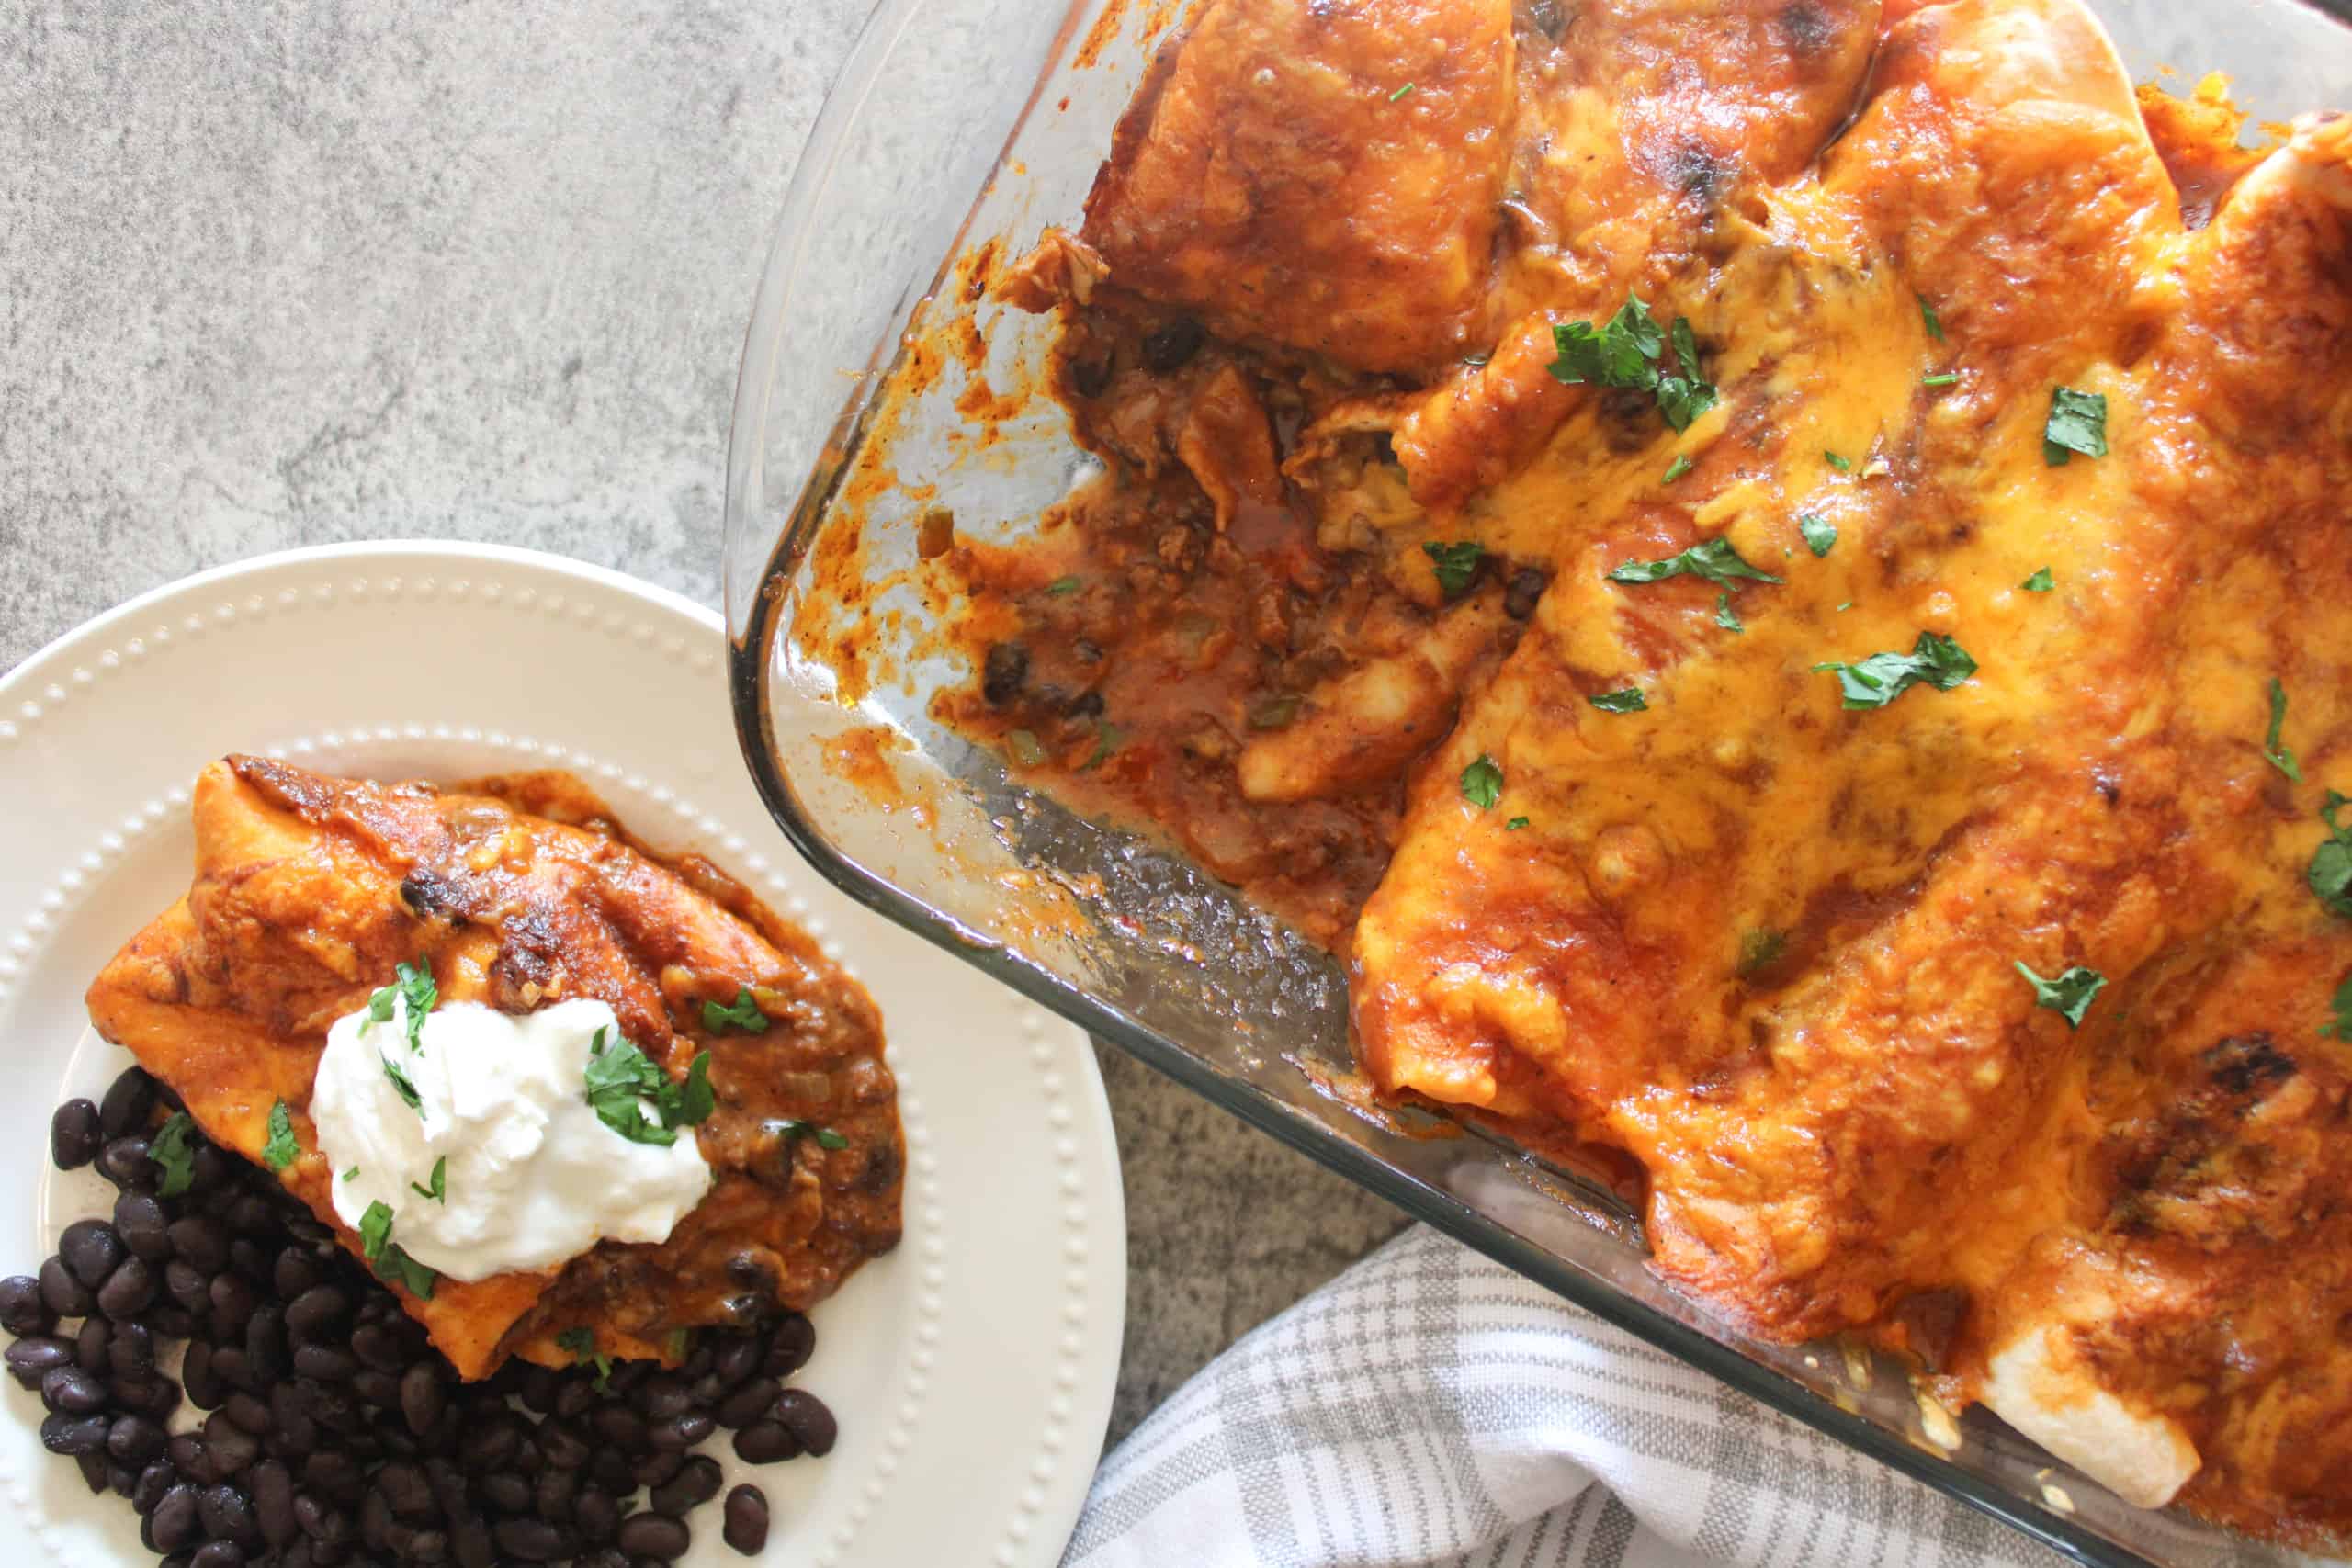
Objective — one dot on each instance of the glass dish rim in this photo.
(752, 614)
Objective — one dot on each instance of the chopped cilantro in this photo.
(279, 1152)
(400, 1085)
(1622, 353)
(742, 1013)
(397, 1268)
(169, 1149)
(1630, 700)
(2342, 1026)
(1759, 950)
(414, 987)
(1820, 534)
(621, 1078)
(1456, 563)
(2078, 422)
(439, 1191)
(1877, 681)
(1625, 353)
(580, 1344)
(1677, 468)
(1725, 616)
(1684, 396)
(1107, 737)
(1482, 782)
(789, 1128)
(1514, 825)
(1836, 462)
(1400, 92)
(1025, 747)
(1933, 322)
(2281, 758)
(1713, 560)
(351, 1175)
(2331, 870)
(1275, 712)
(1063, 585)
(2069, 996)
(2040, 582)
(375, 1230)
(1942, 378)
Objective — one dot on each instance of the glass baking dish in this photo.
(960, 123)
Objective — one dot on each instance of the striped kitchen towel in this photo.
(1429, 1406)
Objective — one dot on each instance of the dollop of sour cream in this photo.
(533, 1178)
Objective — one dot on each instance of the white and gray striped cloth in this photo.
(1431, 1408)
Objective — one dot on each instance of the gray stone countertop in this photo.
(291, 272)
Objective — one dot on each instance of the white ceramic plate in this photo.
(971, 1370)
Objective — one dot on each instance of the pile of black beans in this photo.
(334, 1433)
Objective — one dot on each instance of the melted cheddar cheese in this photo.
(1764, 939)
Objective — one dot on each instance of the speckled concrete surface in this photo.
(293, 272)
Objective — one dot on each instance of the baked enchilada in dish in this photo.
(1771, 573)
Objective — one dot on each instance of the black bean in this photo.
(290, 1413)
(163, 1399)
(298, 1556)
(697, 1483)
(171, 1320)
(562, 1446)
(533, 1540)
(613, 1471)
(204, 1390)
(73, 1134)
(229, 1446)
(325, 1363)
(1003, 672)
(265, 1349)
(790, 1344)
(93, 1466)
(233, 1305)
(746, 1529)
(606, 1557)
(250, 1259)
(766, 1442)
(140, 1221)
(131, 1350)
(748, 1403)
(73, 1391)
(1525, 588)
(698, 1360)
(121, 1479)
(449, 1486)
(653, 1535)
(471, 1543)
(218, 1554)
(314, 1316)
(657, 1467)
(538, 1388)
(66, 1434)
(61, 1294)
(682, 1433)
(334, 1473)
(506, 1492)
(422, 1398)
(406, 1489)
(189, 1288)
(154, 1479)
(248, 1412)
(228, 1513)
(129, 1290)
(295, 1271)
(576, 1398)
(130, 1101)
(91, 1248)
(211, 1168)
(174, 1524)
(491, 1445)
(621, 1427)
(273, 1501)
(1172, 347)
(380, 1389)
(137, 1439)
(595, 1515)
(125, 1163)
(202, 1242)
(228, 1365)
(21, 1308)
(739, 1356)
(319, 1521)
(252, 1214)
(378, 1346)
(31, 1359)
(185, 1452)
(553, 1494)
(809, 1419)
(427, 1546)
